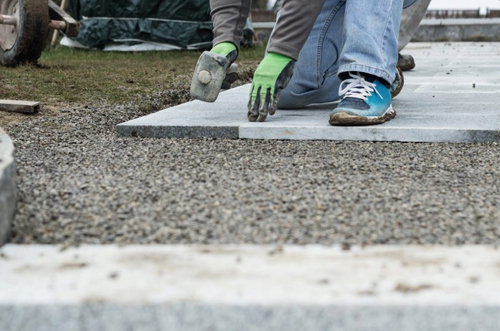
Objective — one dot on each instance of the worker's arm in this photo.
(294, 25)
(229, 18)
(211, 72)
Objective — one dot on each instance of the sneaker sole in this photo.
(344, 118)
(395, 90)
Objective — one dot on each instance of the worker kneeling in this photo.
(343, 51)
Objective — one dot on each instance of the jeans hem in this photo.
(381, 73)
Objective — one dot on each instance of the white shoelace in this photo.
(357, 87)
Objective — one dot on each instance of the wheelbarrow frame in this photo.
(24, 25)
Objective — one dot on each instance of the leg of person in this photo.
(275, 71)
(368, 62)
(229, 18)
(413, 13)
(315, 79)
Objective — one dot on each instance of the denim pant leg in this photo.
(315, 77)
(371, 30)
(360, 35)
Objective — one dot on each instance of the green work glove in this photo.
(226, 49)
(230, 51)
(272, 75)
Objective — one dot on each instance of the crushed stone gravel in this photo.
(81, 183)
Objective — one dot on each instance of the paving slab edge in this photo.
(204, 317)
(172, 132)
(8, 188)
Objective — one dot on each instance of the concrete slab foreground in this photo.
(452, 96)
(249, 288)
(8, 188)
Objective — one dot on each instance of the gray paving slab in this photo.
(249, 288)
(195, 119)
(203, 317)
(452, 96)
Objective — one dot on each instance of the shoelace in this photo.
(357, 87)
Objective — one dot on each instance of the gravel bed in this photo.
(81, 183)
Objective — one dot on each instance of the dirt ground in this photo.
(75, 79)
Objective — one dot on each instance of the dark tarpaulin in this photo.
(180, 23)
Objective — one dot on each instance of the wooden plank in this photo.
(19, 106)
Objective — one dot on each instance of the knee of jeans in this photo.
(295, 96)
(290, 100)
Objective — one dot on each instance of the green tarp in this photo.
(180, 23)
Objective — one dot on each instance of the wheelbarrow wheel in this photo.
(25, 41)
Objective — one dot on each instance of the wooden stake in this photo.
(56, 32)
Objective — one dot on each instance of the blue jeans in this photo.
(348, 36)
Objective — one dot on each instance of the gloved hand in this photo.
(272, 75)
(214, 70)
(230, 51)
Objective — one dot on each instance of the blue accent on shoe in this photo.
(365, 102)
(351, 103)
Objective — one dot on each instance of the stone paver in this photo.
(195, 288)
(452, 96)
(8, 187)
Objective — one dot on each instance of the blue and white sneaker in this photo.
(364, 101)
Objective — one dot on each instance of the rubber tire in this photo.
(32, 34)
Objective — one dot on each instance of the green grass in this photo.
(69, 76)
